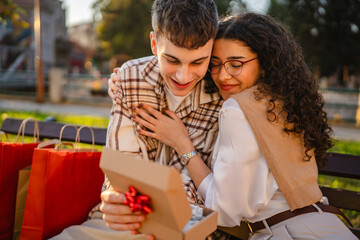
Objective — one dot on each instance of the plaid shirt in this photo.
(141, 82)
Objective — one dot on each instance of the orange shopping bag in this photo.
(64, 186)
(13, 157)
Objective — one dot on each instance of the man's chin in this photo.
(180, 93)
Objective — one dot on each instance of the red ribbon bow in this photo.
(137, 202)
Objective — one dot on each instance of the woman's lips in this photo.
(227, 87)
(181, 86)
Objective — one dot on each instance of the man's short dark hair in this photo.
(186, 23)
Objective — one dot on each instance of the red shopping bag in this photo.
(13, 157)
(64, 186)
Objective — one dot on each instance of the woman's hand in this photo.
(168, 129)
(113, 89)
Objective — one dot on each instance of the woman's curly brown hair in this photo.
(286, 77)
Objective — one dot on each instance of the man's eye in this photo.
(172, 61)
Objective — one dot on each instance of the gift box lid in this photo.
(162, 183)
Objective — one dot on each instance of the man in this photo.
(182, 40)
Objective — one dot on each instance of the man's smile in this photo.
(179, 85)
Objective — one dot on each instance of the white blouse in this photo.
(241, 186)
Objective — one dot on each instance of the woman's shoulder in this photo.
(247, 94)
(231, 103)
(231, 110)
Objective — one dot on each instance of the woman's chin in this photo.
(225, 96)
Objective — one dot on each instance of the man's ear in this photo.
(153, 43)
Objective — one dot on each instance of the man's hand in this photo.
(117, 215)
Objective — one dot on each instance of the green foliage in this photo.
(348, 147)
(324, 34)
(125, 27)
(224, 7)
(280, 11)
(10, 13)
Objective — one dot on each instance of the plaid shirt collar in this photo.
(198, 96)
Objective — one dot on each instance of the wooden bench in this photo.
(339, 165)
(347, 166)
(52, 129)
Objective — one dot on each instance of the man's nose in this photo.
(183, 75)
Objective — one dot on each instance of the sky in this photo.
(79, 11)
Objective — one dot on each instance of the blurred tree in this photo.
(125, 27)
(328, 31)
(126, 24)
(280, 10)
(10, 18)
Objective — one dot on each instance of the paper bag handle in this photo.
(61, 133)
(48, 143)
(77, 139)
(22, 130)
(4, 133)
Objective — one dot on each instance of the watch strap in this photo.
(185, 158)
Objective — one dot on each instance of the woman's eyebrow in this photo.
(228, 58)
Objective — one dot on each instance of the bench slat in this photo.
(52, 130)
(342, 198)
(342, 165)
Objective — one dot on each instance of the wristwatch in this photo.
(185, 158)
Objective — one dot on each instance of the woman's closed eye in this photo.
(235, 64)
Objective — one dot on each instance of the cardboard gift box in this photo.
(171, 209)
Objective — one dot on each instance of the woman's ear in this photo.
(153, 43)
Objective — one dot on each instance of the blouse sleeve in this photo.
(121, 129)
(239, 184)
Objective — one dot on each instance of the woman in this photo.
(272, 134)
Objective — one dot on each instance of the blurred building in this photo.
(17, 47)
(84, 56)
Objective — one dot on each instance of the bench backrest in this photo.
(348, 166)
(339, 165)
(51, 130)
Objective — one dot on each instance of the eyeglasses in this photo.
(233, 67)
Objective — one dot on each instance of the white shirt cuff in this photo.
(203, 187)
